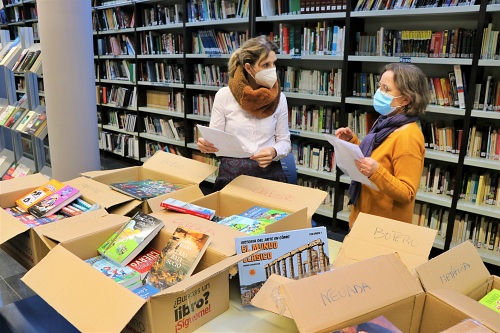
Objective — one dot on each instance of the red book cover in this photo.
(286, 40)
(144, 261)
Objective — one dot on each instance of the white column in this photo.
(68, 73)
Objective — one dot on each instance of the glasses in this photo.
(385, 90)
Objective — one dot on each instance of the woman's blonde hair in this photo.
(251, 51)
(412, 82)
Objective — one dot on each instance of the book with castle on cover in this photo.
(292, 254)
(125, 276)
(188, 208)
(145, 189)
(179, 258)
(128, 241)
(54, 202)
(38, 194)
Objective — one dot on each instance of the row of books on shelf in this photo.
(23, 120)
(366, 5)
(164, 126)
(360, 122)
(211, 75)
(314, 155)
(153, 42)
(116, 95)
(119, 17)
(202, 104)
(122, 70)
(487, 97)
(206, 158)
(20, 60)
(151, 147)
(161, 14)
(202, 10)
(319, 119)
(450, 43)
(122, 120)
(309, 81)
(116, 45)
(216, 41)
(161, 71)
(119, 143)
(13, 169)
(172, 101)
(319, 38)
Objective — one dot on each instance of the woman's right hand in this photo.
(344, 133)
(206, 147)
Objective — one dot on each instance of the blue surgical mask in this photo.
(382, 102)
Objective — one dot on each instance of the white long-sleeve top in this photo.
(254, 133)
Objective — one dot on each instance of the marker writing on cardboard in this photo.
(333, 295)
(89, 188)
(196, 227)
(270, 193)
(394, 236)
(454, 272)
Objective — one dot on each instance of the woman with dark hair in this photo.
(253, 108)
(394, 148)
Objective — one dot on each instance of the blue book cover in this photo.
(145, 189)
(146, 291)
(293, 254)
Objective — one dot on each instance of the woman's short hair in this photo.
(251, 52)
(412, 82)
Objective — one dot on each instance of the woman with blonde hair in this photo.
(253, 108)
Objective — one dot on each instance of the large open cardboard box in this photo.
(454, 283)
(94, 303)
(245, 192)
(173, 168)
(374, 235)
(347, 296)
(29, 245)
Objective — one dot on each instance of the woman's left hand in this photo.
(264, 157)
(367, 166)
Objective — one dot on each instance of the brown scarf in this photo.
(261, 102)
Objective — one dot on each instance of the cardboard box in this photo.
(94, 303)
(173, 168)
(347, 296)
(245, 191)
(454, 282)
(29, 245)
(468, 326)
(374, 235)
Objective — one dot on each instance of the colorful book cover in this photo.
(125, 276)
(492, 300)
(145, 189)
(264, 214)
(146, 291)
(123, 246)
(38, 194)
(179, 258)
(55, 201)
(376, 325)
(293, 254)
(245, 224)
(144, 261)
(188, 208)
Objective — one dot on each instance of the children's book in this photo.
(125, 276)
(293, 254)
(178, 259)
(38, 194)
(377, 325)
(30, 220)
(188, 208)
(146, 291)
(264, 214)
(144, 261)
(125, 244)
(54, 202)
(145, 189)
(245, 224)
(492, 300)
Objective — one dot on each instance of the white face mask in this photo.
(266, 77)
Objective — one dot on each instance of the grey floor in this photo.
(12, 288)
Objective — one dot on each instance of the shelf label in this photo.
(215, 55)
(296, 56)
(294, 132)
(163, 84)
(405, 59)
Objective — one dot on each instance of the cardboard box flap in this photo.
(276, 194)
(374, 235)
(18, 187)
(337, 296)
(269, 298)
(460, 268)
(101, 193)
(75, 289)
(9, 226)
(186, 168)
(469, 307)
(187, 194)
(221, 237)
(206, 273)
(96, 173)
(80, 225)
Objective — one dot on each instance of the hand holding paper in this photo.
(345, 155)
(228, 144)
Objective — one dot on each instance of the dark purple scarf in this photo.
(383, 127)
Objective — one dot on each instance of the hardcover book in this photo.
(145, 189)
(144, 261)
(178, 259)
(188, 208)
(125, 276)
(293, 254)
(124, 245)
(492, 300)
(38, 194)
(54, 202)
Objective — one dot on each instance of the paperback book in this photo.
(145, 189)
(144, 261)
(492, 300)
(178, 259)
(264, 214)
(54, 202)
(380, 324)
(38, 194)
(293, 254)
(244, 224)
(146, 291)
(188, 208)
(128, 241)
(125, 276)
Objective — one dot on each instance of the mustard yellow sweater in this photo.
(401, 161)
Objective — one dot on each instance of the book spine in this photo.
(185, 210)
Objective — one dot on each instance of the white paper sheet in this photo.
(228, 144)
(345, 155)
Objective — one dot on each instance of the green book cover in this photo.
(492, 300)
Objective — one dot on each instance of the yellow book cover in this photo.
(38, 194)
